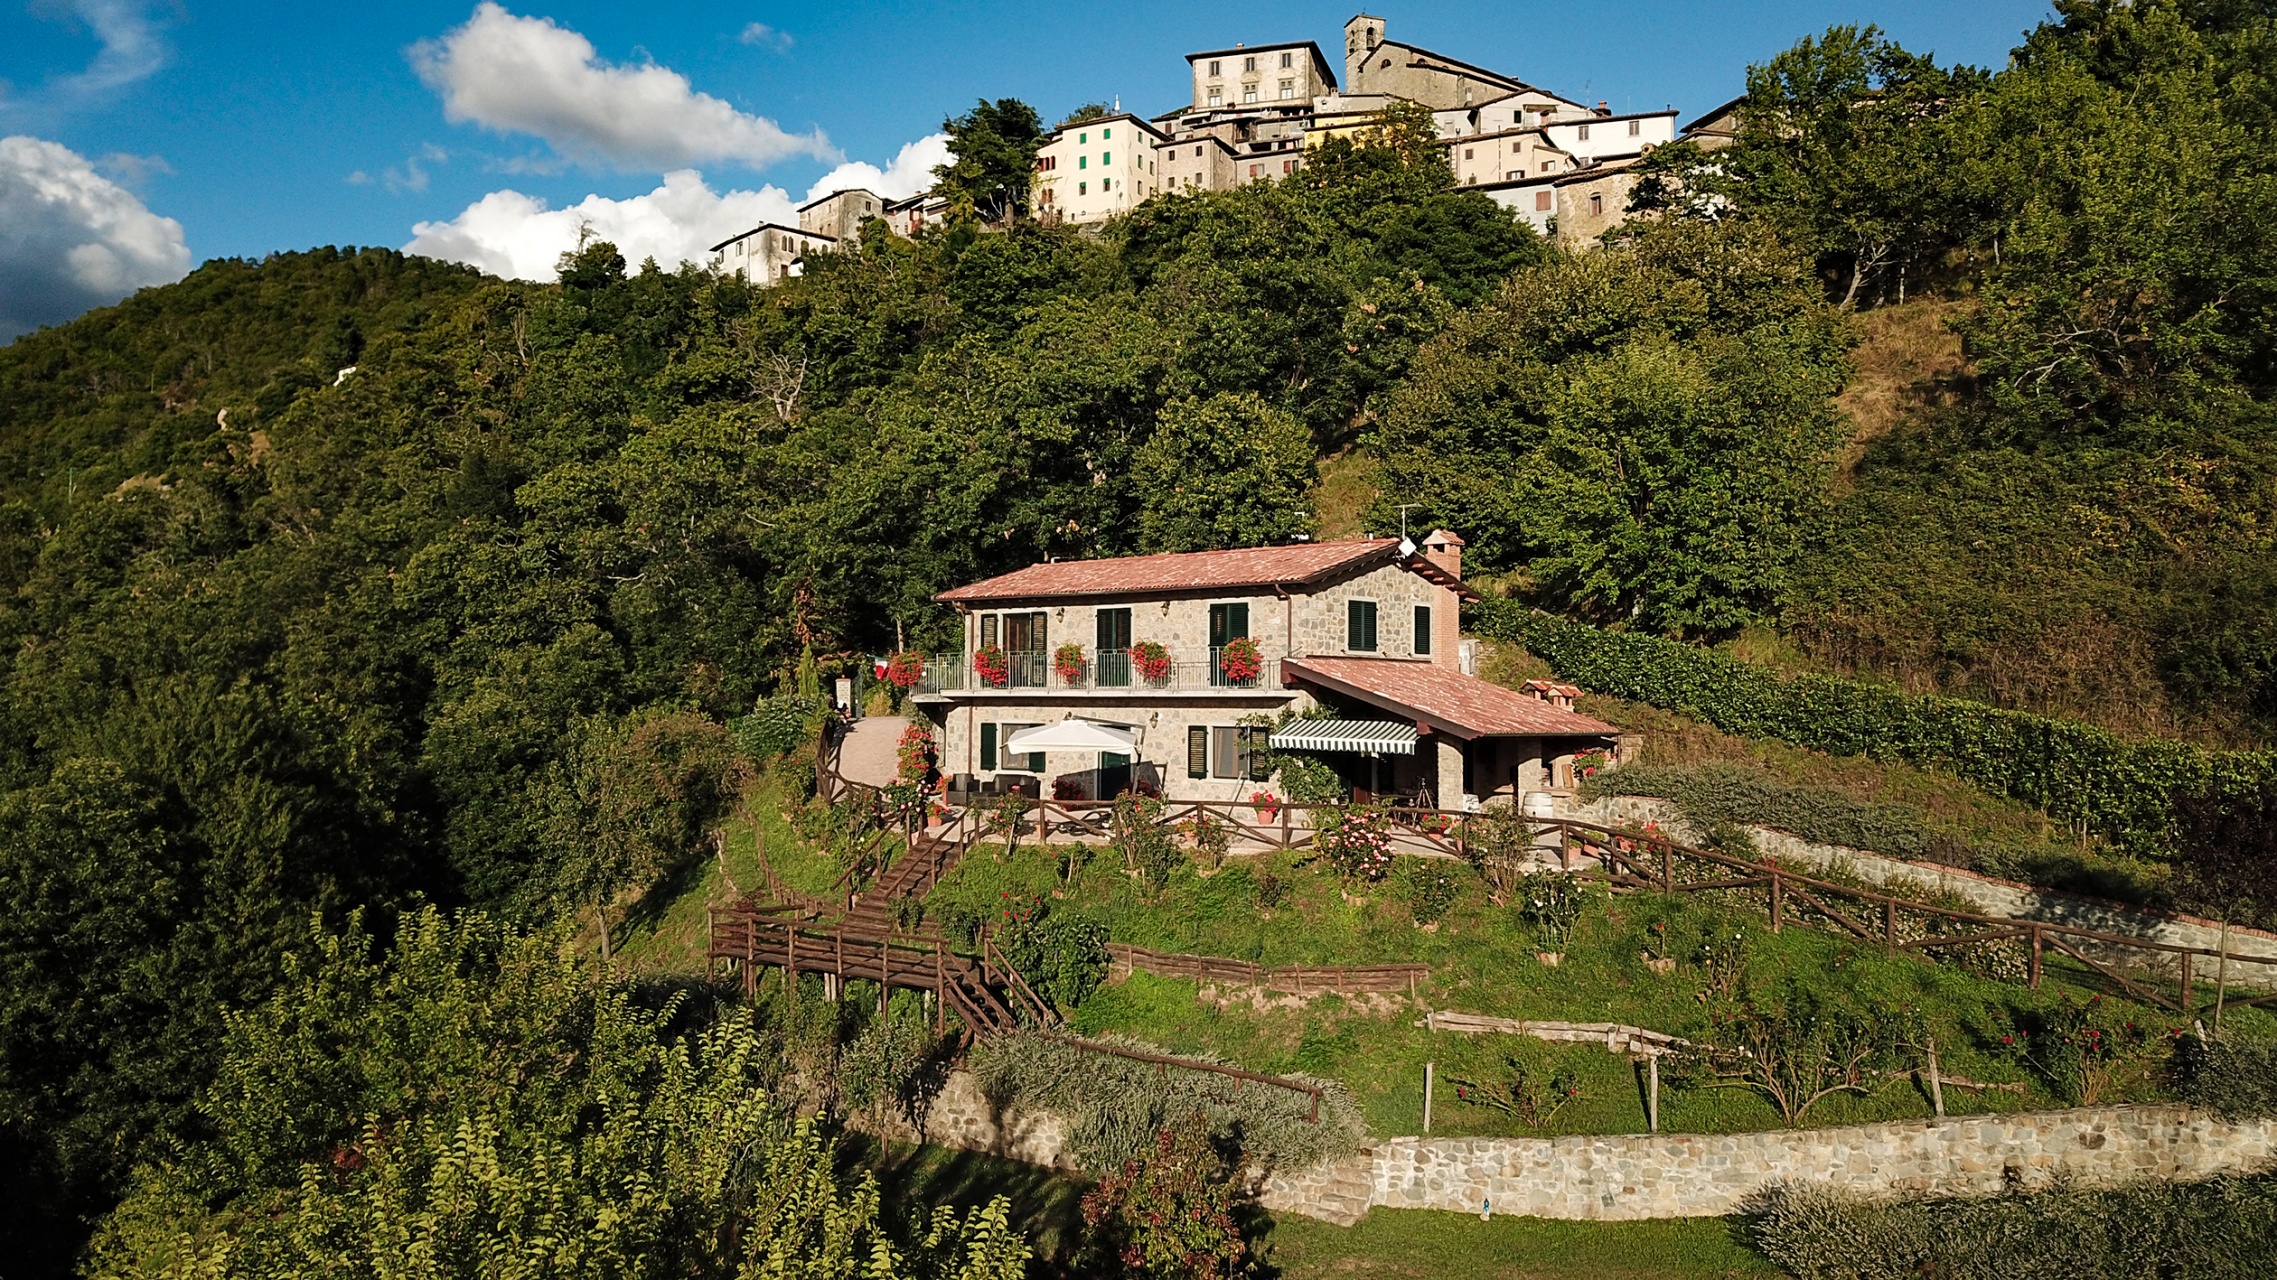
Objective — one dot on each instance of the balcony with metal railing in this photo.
(1111, 672)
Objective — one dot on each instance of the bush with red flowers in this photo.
(915, 751)
(903, 670)
(1240, 660)
(1170, 1216)
(990, 664)
(1151, 661)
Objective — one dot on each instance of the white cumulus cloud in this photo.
(71, 239)
(528, 75)
(508, 233)
(910, 172)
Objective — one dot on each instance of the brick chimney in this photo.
(1444, 549)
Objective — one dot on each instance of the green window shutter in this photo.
(1104, 134)
(1106, 158)
(988, 746)
(987, 630)
(1360, 626)
(1197, 752)
(1422, 630)
(1260, 764)
(1035, 761)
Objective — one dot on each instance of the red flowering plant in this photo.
(915, 752)
(1240, 660)
(1589, 763)
(1170, 1213)
(1267, 805)
(1151, 661)
(990, 664)
(904, 669)
(1068, 789)
(1067, 661)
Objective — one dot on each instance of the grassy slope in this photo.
(1483, 960)
(2016, 839)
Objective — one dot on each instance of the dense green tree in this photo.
(994, 149)
(1641, 433)
(471, 1099)
(1229, 471)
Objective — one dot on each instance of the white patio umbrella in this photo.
(1073, 735)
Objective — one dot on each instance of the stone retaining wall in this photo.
(1617, 1178)
(1984, 893)
(1620, 1177)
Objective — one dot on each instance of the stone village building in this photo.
(1361, 666)
(1255, 111)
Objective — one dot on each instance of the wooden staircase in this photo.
(864, 942)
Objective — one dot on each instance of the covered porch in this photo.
(1424, 734)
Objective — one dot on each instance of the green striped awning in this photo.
(1370, 737)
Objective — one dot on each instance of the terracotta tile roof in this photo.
(1300, 564)
(1441, 697)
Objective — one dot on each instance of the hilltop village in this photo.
(1255, 113)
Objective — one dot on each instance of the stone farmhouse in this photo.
(1358, 660)
(1253, 114)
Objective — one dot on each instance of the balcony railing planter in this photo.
(1151, 660)
(1240, 662)
(1069, 666)
(905, 669)
(993, 668)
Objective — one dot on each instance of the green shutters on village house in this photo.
(988, 746)
(1422, 630)
(1228, 622)
(1360, 626)
(1198, 752)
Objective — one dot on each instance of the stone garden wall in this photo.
(1617, 1177)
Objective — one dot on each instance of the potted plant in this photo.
(1240, 660)
(1266, 804)
(1151, 660)
(905, 669)
(1067, 662)
(990, 664)
(1588, 764)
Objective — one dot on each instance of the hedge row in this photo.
(2221, 1229)
(2122, 790)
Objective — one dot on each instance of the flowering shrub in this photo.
(1429, 888)
(1267, 804)
(1170, 1216)
(1067, 661)
(1357, 843)
(1068, 789)
(2087, 1049)
(904, 669)
(1210, 835)
(1793, 1046)
(990, 664)
(1588, 764)
(1240, 660)
(1151, 661)
(1552, 900)
(915, 752)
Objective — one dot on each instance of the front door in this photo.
(1114, 774)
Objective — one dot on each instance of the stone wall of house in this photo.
(1160, 722)
(1632, 1176)
(1983, 893)
(1635, 1176)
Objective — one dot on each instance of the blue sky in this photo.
(267, 126)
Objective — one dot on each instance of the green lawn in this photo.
(1453, 1246)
